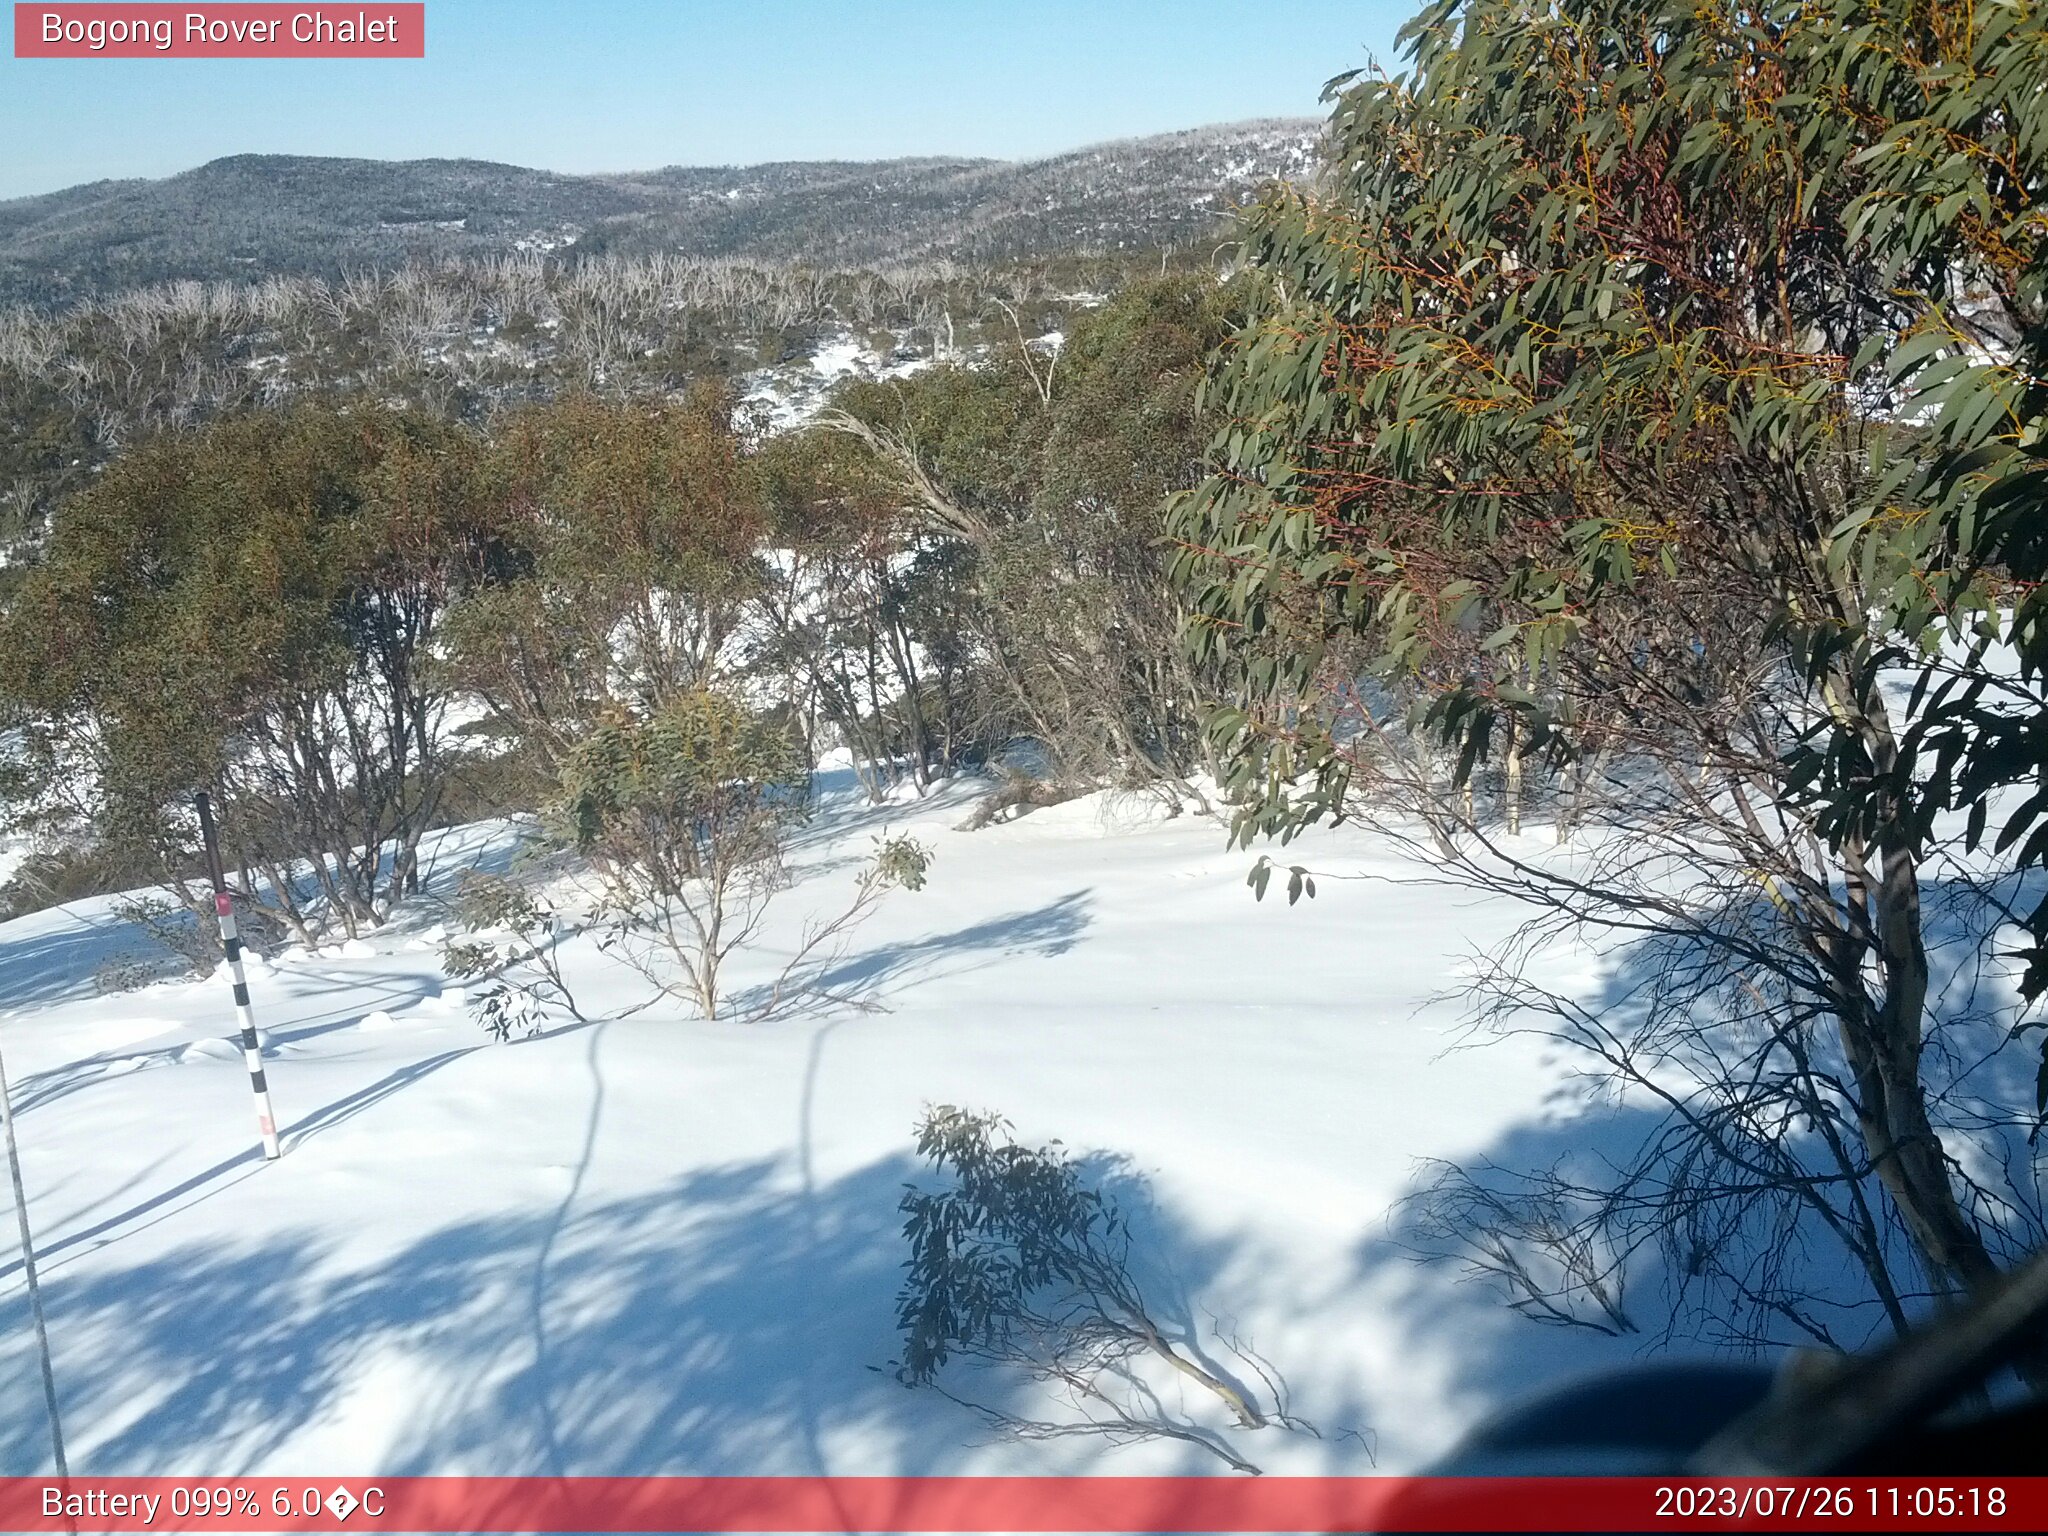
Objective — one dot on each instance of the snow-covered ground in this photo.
(785, 397)
(666, 1245)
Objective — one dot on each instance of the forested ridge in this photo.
(252, 216)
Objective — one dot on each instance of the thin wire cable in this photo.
(28, 1269)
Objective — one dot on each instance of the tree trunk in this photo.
(1883, 1046)
(1511, 781)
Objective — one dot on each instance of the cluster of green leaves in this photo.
(615, 498)
(1979, 740)
(1621, 318)
(45, 448)
(902, 862)
(510, 942)
(701, 784)
(1014, 1222)
(636, 529)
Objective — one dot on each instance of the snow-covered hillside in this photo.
(666, 1245)
(274, 214)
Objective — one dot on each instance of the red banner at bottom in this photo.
(1076, 1504)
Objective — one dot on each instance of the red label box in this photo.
(367, 29)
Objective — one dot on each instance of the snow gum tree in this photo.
(635, 530)
(1020, 546)
(252, 609)
(863, 616)
(685, 814)
(1623, 397)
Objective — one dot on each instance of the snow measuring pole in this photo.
(231, 945)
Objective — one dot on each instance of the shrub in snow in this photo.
(504, 1011)
(131, 973)
(1019, 794)
(191, 948)
(1019, 1263)
(684, 816)
(900, 863)
(683, 820)
(638, 525)
(254, 606)
(512, 939)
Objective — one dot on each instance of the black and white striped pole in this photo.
(231, 945)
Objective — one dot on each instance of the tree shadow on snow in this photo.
(54, 956)
(1458, 1328)
(1048, 931)
(204, 1185)
(361, 996)
(728, 1322)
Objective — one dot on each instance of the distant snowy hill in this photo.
(249, 215)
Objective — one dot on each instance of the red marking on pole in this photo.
(224, 904)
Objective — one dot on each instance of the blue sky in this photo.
(616, 85)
